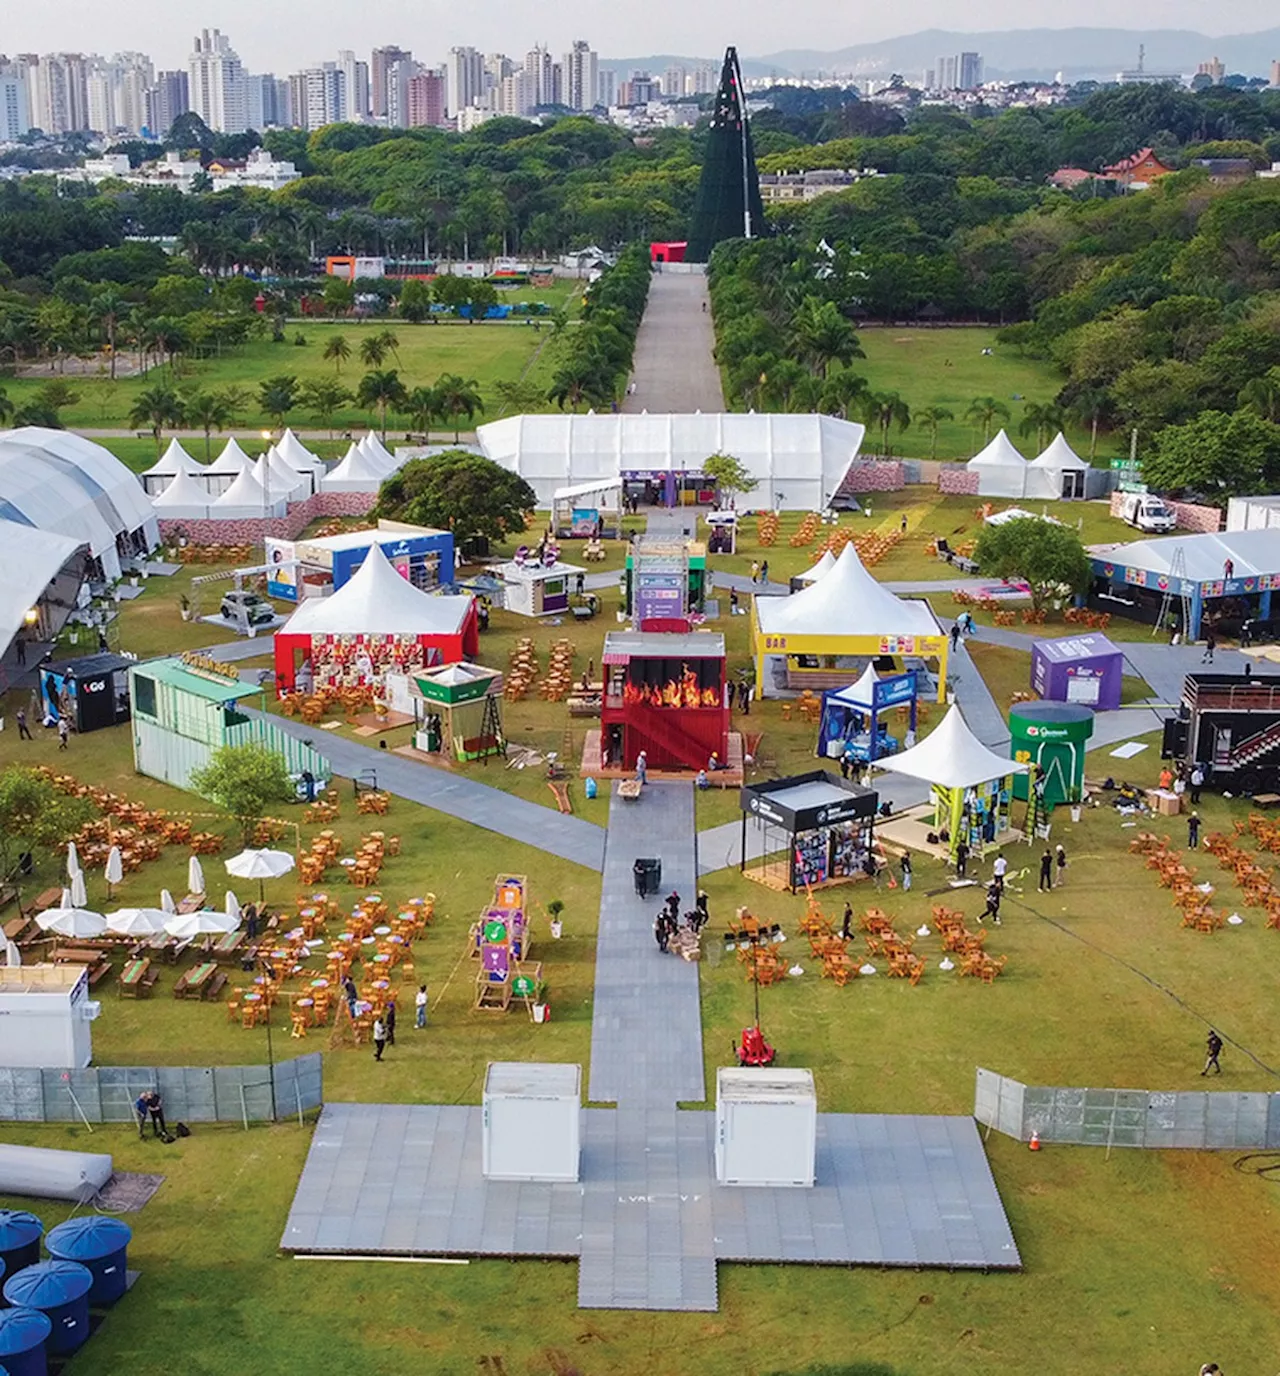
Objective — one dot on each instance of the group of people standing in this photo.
(668, 921)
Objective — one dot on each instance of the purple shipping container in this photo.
(1087, 669)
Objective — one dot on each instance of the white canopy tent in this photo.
(819, 570)
(1252, 553)
(1001, 470)
(1056, 473)
(39, 572)
(279, 479)
(221, 473)
(799, 461)
(296, 454)
(245, 498)
(860, 694)
(173, 461)
(356, 473)
(951, 756)
(184, 499)
(378, 452)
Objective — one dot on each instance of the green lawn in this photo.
(947, 368)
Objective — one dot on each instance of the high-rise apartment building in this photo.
(512, 96)
(607, 87)
(970, 71)
(1215, 69)
(166, 100)
(384, 59)
(399, 75)
(538, 67)
(14, 120)
(355, 84)
(136, 76)
(958, 72)
(426, 100)
(639, 89)
(675, 82)
(324, 89)
(297, 99)
(217, 82)
(581, 76)
(466, 78)
(100, 95)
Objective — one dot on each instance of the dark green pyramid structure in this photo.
(728, 205)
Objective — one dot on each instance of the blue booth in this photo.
(60, 1291)
(98, 1243)
(850, 727)
(23, 1334)
(315, 568)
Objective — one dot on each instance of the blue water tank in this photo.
(60, 1290)
(98, 1243)
(20, 1234)
(23, 1333)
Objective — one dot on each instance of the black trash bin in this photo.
(648, 877)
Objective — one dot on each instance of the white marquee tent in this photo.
(38, 571)
(819, 570)
(279, 480)
(799, 461)
(186, 498)
(951, 756)
(378, 452)
(245, 498)
(356, 473)
(1001, 470)
(173, 461)
(221, 473)
(1056, 473)
(296, 454)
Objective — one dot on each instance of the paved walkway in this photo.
(469, 800)
(675, 368)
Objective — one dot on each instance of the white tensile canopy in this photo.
(1001, 470)
(382, 457)
(31, 560)
(221, 473)
(245, 498)
(185, 498)
(296, 454)
(951, 756)
(799, 461)
(376, 600)
(357, 472)
(1044, 473)
(173, 461)
(823, 566)
(861, 694)
(846, 601)
(278, 478)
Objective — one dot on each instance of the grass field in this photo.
(947, 368)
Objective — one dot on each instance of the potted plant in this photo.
(1074, 800)
(555, 908)
(541, 1004)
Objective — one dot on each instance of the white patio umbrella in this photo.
(203, 922)
(231, 906)
(137, 921)
(260, 865)
(195, 875)
(74, 922)
(79, 893)
(114, 872)
(65, 901)
(166, 901)
(73, 860)
(12, 956)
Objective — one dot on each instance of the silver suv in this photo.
(248, 607)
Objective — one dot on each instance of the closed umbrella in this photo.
(260, 865)
(166, 901)
(73, 860)
(12, 956)
(203, 922)
(137, 921)
(114, 872)
(73, 922)
(195, 875)
(65, 901)
(231, 906)
(79, 893)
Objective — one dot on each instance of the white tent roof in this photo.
(847, 601)
(382, 457)
(823, 566)
(175, 459)
(1058, 454)
(30, 560)
(59, 482)
(1252, 552)
(184, 495)
(565, 494)
(245, 492)
(357, 472)
(376, 600)
(860, 694)
(798, 460)
(1001, 470)
(232, 460)
(277, 477)
(952, 756)
(1000, 453)
(296, 454)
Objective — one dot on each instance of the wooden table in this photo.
(78, 955)
(1266, 799)
(132, 978)
(191, 983)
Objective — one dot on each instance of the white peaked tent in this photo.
(186, 498)
(862, 693)
(822, 567)
(221, 473)
(173, 461)
(356, 473)
(378, 452)
(376, 600)
(245, 498)
(951, 756)
(1001, 470)
(845, 613)
(296, 454)
(1048, 474)
(278, 479)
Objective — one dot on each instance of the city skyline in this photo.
(267, 39)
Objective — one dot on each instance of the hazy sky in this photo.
(284, 35)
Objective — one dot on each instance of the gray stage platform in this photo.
(649, 1223)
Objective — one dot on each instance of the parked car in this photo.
(248, 607)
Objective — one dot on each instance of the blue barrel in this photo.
(23, 1333)
(20, 1234)
(60, 1290)
(99, 1243)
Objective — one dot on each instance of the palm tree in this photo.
(210, 411)
(1262, 395)
(108, 306)
(156, 407)
(933, 416)
(373, 351)
(422, 407)
(884, 410)
(841, 392)
(518, 396)
(391, 344)
(1092, 407)
(580, 378)
(382, 391)
(6, 407)
(1040, 419)
(457, 396)
(983, 411)
(278, 396)
(324, 398)
(823, 336)
(339, 350)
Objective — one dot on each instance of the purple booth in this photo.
(1087, 669)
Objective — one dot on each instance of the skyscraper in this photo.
(100, 95)
(13, 104)
(355, 85)
(325, 88)
(384, 59)
(166, 100)
(466, 78)
(217, 82)
(581, 76)
(728, 204)
(970, 71)
(399, 75)
(61, 100)
(426, 103)
(538, 82)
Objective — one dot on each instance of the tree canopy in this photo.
(1049, 557)
(458, 491)
(245, 780)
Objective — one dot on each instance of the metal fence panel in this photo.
(1273, 1123)
(21, 1095)
(188, 1093)
(119, 1087)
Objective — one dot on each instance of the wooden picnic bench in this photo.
(215, 986)
(191, 982)
(132, 983)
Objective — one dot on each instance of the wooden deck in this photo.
(732, 776)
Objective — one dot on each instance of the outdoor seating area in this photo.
(1193, 900)
(360, 866)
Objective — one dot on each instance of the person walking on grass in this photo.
(24, 731)
(999, 869)
(906, 872)
(846, 923)
(389, 1017)
(962, 858)
(350, 992)
(1213, 1046)
(420, 1007)
(992, 910)
(64, 730)
(1197, 782)
(1060, 862)
(1193, 831)
(379, 1038)
(1046, 870)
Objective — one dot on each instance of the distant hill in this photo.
(1028, 54)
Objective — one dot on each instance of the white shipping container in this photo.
(45, 1016)
(532, 1121)
(766, 1126)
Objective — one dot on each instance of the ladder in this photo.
(1177, 578)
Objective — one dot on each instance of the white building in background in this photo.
(217, 83)
(466, 79)
(355, 83)
(539, 71)
(60, 103)
(260, 170)
(513, 95)
(581, 76)
(326, 98)
(472, 118)
(14, 120)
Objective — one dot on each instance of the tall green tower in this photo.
(728, 205)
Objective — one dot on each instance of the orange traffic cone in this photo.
(1034, 1144)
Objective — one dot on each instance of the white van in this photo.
(1148, 513)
